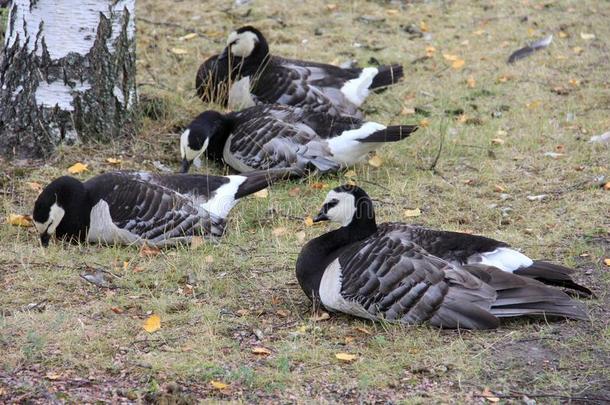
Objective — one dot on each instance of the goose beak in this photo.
(321, 217)
(185, 166)
(44, 239)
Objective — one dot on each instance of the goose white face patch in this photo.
(242, 44)
(504, 258)
(343, 209)
(186, 152)
(56, 214)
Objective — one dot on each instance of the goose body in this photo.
(273, 79)
(138, 207)
(280, 136)
(378, 272)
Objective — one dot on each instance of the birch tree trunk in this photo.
(67, 74)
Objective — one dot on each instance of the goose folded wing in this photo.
(395, 279)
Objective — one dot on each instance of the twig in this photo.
(438, 153)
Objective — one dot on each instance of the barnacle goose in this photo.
(138, 207)
(379, 272)
(247, 73)
(281, 136)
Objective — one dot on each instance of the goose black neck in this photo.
(224, 127)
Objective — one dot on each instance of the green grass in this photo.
(218, 302)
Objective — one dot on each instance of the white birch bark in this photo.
(67, 73)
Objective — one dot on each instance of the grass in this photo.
(219, 301)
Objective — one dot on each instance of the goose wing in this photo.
(267, 137)
(305, 85)
(389, 277)
(138, 204)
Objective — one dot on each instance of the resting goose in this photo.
(247, 73)
(280, 136)
(136, 208)
(377, 272)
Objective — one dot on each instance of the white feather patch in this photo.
(224, 197)
(103, 230)
(239, 94)
(503, 258)
(346, 149)
(330, 293)
(357, 90)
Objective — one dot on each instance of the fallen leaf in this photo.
(188, 36)
(196, 241)
(114, 161)
(532, 105)
(363, 330)
(488, 395)
(457, 64)
(261, 351)
(577, 50)
(243, 312)
(407, 111)
(430, 50)
(375, 161)
(217, 385)
(411, 213)
(450, 57)
(497, 141)
(560, 148)
(301, 237)
(499, 189)
(152, 323)
(346, 357)
(125, 265)
(264, 193)
(478, 32)
(607, 262)
(392, 11)
(280, 231)
(424, 123)
(308, 221)
(117, 310)
(607, 186)
(504, 78)
(52, 375)
(471, 82)
(332, 7)
(34, 186)
(284, 313)
(423, 26)
(322, 316)
(462, 118)
(178, 51)
(294, 192)
(574, 82)
(20, 220)
(78, 168)
(149, 251)
(209, 259)
(319, 186)
(562, 34)
(587, 36)
(350, 173)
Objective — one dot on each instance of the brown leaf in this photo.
(332, 7)
(321, 316)
(499, 189)
(607, 186)
(152, 323)
(376, 161)
(319, 186)
(52, 375)
(363, 330)
(497, 141)
(34, 186)
(430, 51)
(149, 251)
(607, 262)
(78, 168)
(261, 351)
(20, 220)
(196, 241)
(284, 313)
(471, 82)
(294, 192)
(490, 396)
(243, 312)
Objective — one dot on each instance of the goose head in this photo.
(198, 135)
(348, 206)
(246, 42)
(59, 209)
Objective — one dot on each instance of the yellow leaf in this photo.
(532, 32)
(217, 385)
(319, 186)
(563, 34)
(261, 351)
(504, 79)
(577, 50)
(346, 357)
(462, 118)
(430, 50)
(450, 57)
(78, 168)
(375, 161)
(457, 64)
(497, 141)
(533, 104)
(51, 375)
(279, 231)
(149, 251)
(412, 213)
(350, 173)
(407, 111)
(363, 330)
(264, 193)
(332, 7)
(188, 36)
(575, 82)
(423, 26)
(478, 32)
(471, 82)
(607, 262)
(209, 259)
(424, 123)
(20, 220)
(587, 36)
(34, 186)
(178, 51)
(308, 221)
(152, 323)
(322, 316)
(499, 189)
(392, 11)
(114, 161)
